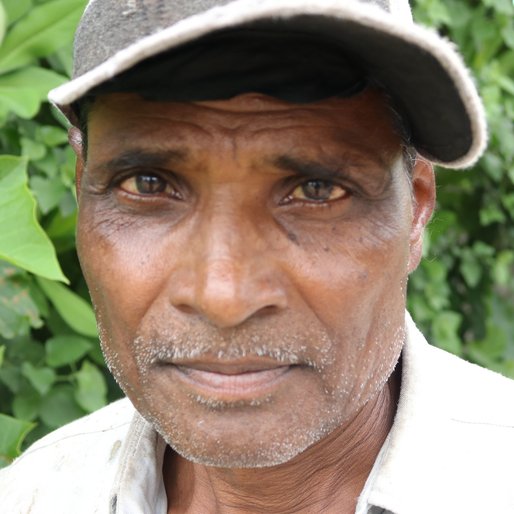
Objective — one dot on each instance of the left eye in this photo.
(318, 190)
(145, 184)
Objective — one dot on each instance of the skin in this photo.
(248, 261)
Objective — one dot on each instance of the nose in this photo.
(229, 273)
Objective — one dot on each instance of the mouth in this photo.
(231, 381)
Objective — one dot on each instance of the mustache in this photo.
(311, 347)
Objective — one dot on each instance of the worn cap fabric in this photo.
(298, 50)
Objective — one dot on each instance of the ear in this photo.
(423, 197)
(76, 141)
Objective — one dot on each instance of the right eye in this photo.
(147, 184)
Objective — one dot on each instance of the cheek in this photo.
(123, 279)
(356, 289)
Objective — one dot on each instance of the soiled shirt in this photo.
(450, 451)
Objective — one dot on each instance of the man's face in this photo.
(248, 261)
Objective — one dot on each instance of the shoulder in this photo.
(76, 459)
(467, 392)
(452, 444)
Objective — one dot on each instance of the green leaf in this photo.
(470, 268)
(45, 29)
(41, 379)
(26, 404)
(48, 192)
(32, 149)
(15, 9)
(22, 240)
(12, 433)
(62, 350)
(23, 91)
(18, 311)
(3, 22)
(2, 354)
(75, 311)
(51, 136)
(445, 328)
(59, 407)
(91, 393)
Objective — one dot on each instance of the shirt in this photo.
(450, 451)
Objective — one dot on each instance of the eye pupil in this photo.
(149, 184)
(317, 190)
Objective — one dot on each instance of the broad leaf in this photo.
(3, 21)
(12, 433)
(26, 404)
(59, 407)
(23, 91)
(45, 29)
(41, 379)
(62, 350)
(22, 240)
(15, 9)
(92, 389)
(18, 311)
(75, 311)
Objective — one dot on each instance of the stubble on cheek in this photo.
(260, 433)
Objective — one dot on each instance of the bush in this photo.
(51, 367)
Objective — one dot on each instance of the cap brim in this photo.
(427, 79)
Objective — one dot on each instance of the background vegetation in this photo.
(51, 368)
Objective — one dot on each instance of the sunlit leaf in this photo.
(12, 433)
(63, 350)
(45, 29)
(75, 311)
(22, 240)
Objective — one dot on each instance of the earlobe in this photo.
(76, 141)
(423, 193)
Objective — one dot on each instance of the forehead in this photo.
(364, 122)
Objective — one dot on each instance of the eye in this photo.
(318, 190)
(147, 184)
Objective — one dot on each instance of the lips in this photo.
(234, 381)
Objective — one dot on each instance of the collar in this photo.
(450, 448)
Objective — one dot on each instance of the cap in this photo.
(298, 50)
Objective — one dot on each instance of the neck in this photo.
(328, 477)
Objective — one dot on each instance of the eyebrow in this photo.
(308, 168)
(135, 158)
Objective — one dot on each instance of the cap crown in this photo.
(116, 24)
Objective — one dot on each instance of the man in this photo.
(254, 180)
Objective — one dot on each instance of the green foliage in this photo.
(51, 369)
(463, 292)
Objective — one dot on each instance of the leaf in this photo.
(41, 379)
(45, 29)
(18, 311)
(48, 192)
(26, 404)
(3, 22)
(22, 240)
(62, 350)
(51, 136)
(32, 149)
(2, 354)
(59, 407)
(12, 433)
(15, 9)
(445, 328)
(23, 91)
(75, 311)
(91, 393)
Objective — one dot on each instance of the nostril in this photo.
(186, 309)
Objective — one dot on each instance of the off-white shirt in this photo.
(450, 451)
